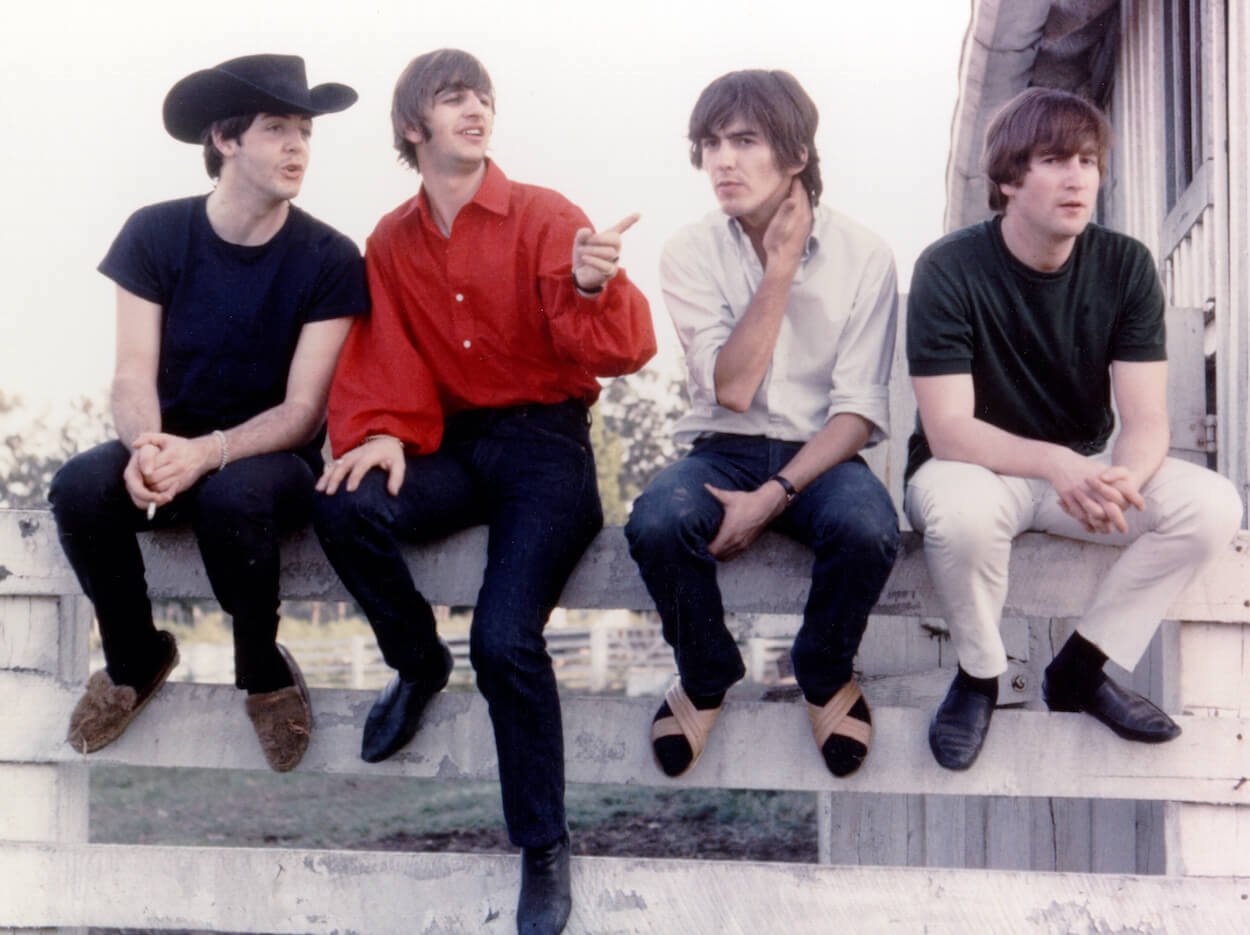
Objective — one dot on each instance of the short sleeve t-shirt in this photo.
(1038, 345)
(232, 314)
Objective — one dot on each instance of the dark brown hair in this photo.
(772, 102)
(230, 128)
(418, 85)
(1035, 121)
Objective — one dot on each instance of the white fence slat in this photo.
(263, 890)
(756, 745)
(772, 578)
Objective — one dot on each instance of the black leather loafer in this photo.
(959, 726)
(395, 716)
(546, 889)
(1122, 709)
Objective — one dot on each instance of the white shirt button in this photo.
(468, 343)
(459, 296)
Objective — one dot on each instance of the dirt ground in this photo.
(189, 806)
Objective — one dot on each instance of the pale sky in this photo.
(593, 100)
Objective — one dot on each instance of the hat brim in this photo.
(205, 96)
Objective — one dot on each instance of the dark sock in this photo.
(986, 687)
(141, 665)
(1077, 667)
(674, 753)
(843, 755)
(429, 667)
(269, 675)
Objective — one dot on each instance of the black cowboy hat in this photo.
(252, 84)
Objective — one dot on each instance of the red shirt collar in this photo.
(493, 195)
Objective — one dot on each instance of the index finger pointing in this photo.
(625, 223)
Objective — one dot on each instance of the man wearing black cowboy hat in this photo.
(231, 308)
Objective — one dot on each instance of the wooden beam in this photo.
(309, 891)
(756, 745)
(1049, 577)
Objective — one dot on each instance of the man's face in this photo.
(1055, 199)
(271, 156)
(744, 174)
(460, 122)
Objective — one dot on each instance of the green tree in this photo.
(633, 436)
(31, 449)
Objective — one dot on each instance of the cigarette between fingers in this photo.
(151, 511)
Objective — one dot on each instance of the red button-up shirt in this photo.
(487, 317)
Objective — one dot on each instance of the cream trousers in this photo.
(969, 516)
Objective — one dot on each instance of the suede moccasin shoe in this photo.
(105, 709)
(283, 719)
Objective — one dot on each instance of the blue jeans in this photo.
(845, 516)
(527, 472)
(238, 516)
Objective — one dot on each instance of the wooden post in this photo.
(824, 827)
(598, 655)
(1209, 839)
(358, 661)
(42, 640)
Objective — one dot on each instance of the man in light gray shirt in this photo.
(786, 311)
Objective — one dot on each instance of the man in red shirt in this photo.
(494, 308)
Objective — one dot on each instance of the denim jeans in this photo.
(528, 473)
(845, 516)
(238, 515)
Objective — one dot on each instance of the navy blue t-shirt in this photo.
(231, 314)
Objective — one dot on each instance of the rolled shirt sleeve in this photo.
(861, 374)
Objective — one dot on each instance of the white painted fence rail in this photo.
(51, 878)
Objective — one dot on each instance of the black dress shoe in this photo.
(395, 716)
(1122, 709)
(546, 890)
(959, 726)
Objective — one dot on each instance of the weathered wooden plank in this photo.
(41, 638)
(756, 745)
(1049, 577)
(28, 629)
(301, 891)
(1211, 840)
(1215, 668)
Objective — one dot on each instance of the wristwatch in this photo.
(788, 487)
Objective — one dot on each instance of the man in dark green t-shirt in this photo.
(1021, 330)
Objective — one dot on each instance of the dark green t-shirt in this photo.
(1038, 345)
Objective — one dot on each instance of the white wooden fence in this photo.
(51, 878)
(620, 652)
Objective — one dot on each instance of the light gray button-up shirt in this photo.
(836, 344)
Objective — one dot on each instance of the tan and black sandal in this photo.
(686, 721)
(834, 719)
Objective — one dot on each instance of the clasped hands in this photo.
(1097, 495)
(162, 465)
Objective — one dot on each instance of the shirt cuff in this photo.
(871, 403)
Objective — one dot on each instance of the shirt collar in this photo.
(493, 195)
(739, 236)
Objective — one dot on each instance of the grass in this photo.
(180, 806)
